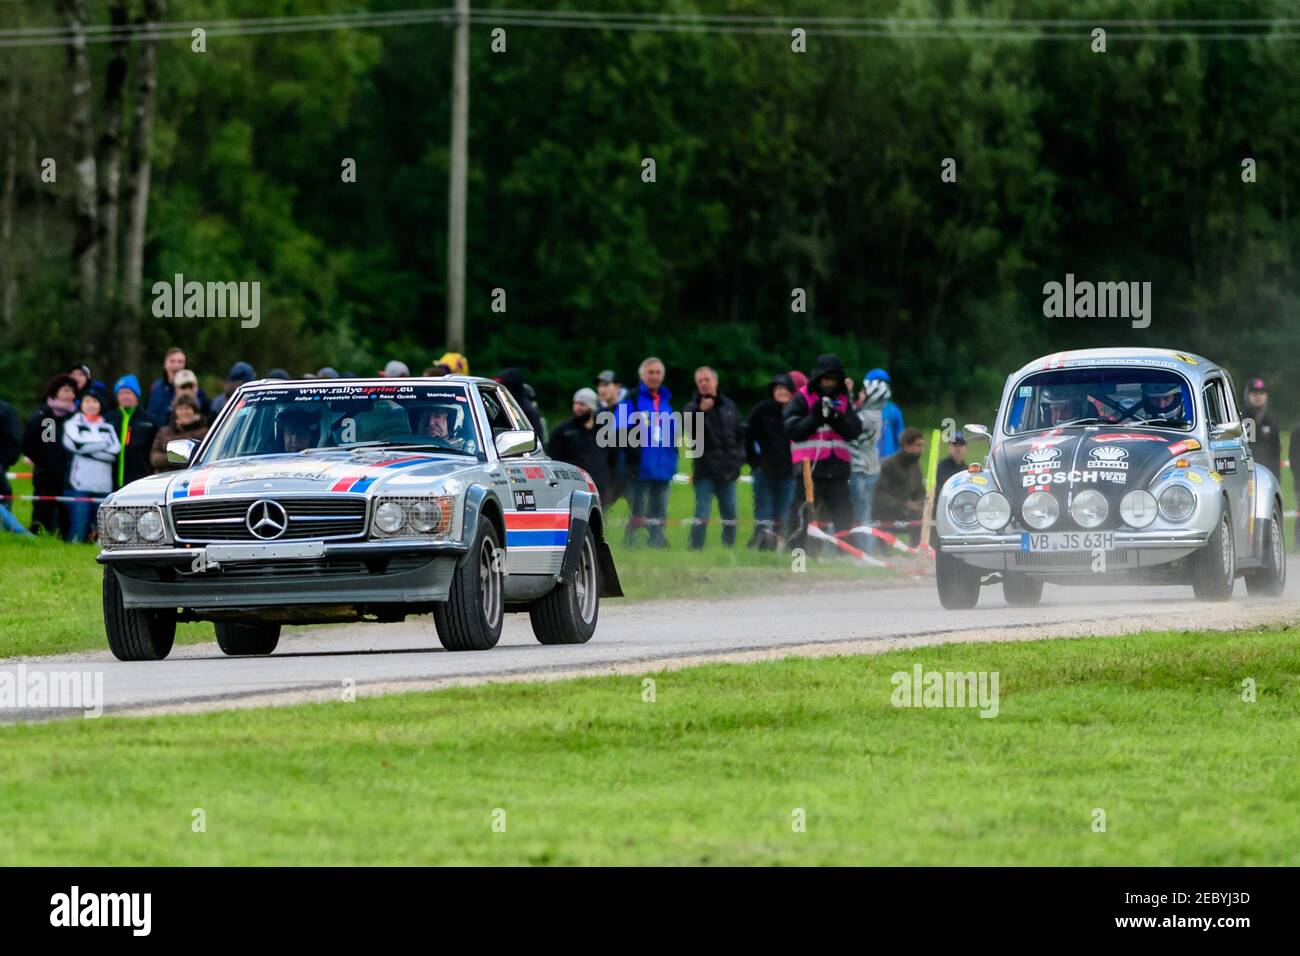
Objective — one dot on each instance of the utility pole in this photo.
(456, 182)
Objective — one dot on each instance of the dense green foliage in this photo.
(775, 170)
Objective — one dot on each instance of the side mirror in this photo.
(510, 444)
(1227, 430)
(978, 431)
(180, 450)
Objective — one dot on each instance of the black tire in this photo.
(240, 639)
(470, 619)
(1021, 590)
(959, 583)
(567, 614)
(1214, 567)
(136, 635)
(1269, 580)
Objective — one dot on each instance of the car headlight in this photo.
(426, 516)
(389, 517)
(1138, 508)
(962, 508)
(1089, 509)
(119, 526)
(1177, 502)
(150, 526)
(993, 511)
(1040, 510)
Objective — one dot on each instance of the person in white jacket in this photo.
(94, 445)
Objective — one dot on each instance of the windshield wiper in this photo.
(1158, 423)
(1082, 421)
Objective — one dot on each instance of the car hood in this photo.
(329, 472)
(1064, 462)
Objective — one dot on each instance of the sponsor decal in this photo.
(1226, 466)
(1108, 456)
(1186, 358)
(978, 480)
(1187, 444)
(362, 479)
(525, 501)
(1041, 459)
(193, 486)
(1216, 476)
(1086, 477)
(534, 471)
(1127, 436)
(1195, 478)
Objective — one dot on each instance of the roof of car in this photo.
(1188, 363)
(376, 380)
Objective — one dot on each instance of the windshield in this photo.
(1151, 397)
(303, 419)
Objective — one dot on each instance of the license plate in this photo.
(1068, 541)
(233, 553)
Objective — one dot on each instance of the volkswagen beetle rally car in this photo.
(364, 499)
(1112, 465)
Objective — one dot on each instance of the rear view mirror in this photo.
(510, 444)
(180, 450)
(977, 431)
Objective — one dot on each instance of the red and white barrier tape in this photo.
(46, 498)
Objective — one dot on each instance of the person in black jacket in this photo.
(43, 444)
(955, 462)
(900, 493)
(11, 449)
(575, 442)
(135, 432)
(1266, 442)
(767, 451)
(820, 422)
(718, 452)
(513, 380)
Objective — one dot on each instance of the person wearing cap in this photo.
(575, 441)
(891, 417)
(612, 394)
(1266, 440)
(186, 422)
(186, 382)
(94, 445)
(456, 363)
(954, 463)
(328, 371)
(135, 432)
(241, 373)
(821, 424)
(163, 389)
(721, 452)
(278, 374)
(395, 369)
(767, 451)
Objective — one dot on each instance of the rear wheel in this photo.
(136, 635)
(959, 583)
(567, 615)
(1214, 567)
(1269, 580)
(247, 638)
(470, 619)
(1021, 590)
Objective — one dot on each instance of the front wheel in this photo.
(237, 639)
(1214, 567)
(470, 619)
(137, 634)
(567, 614)
(1269, 580)
(959, 583)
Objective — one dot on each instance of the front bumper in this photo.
(405, 572)
(1133, 549)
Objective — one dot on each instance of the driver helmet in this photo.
(1162, 400)
(299, 419)
(452, 410)
(1059, 404)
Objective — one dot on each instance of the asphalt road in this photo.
(322, 663)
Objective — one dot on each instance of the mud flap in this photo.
(609, 584)
(578, 531)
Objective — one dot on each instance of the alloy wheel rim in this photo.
(1226, 550)
(585, 584)
(490, 584)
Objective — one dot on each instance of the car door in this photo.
(1232, 458)
(536, 523)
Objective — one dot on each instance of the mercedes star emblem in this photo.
(266, 519)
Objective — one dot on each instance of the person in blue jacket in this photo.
(891, 425)
(648, 431)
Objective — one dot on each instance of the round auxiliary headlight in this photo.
(993, 511)
(1177, 502)
(1040, 510)
(119, 526)
(150, 526)
(1089, 509)
(389, 517)
(962, 508)
(426, 516)
(1138, 508)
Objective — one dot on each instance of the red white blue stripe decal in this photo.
(537, 529)
(192, 486)
(368, 475)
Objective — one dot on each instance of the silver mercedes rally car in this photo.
(1109, 465)
(359, 499)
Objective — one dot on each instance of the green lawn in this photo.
(1151, 729)
(50, 601)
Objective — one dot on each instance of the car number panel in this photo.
(1067, 541)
